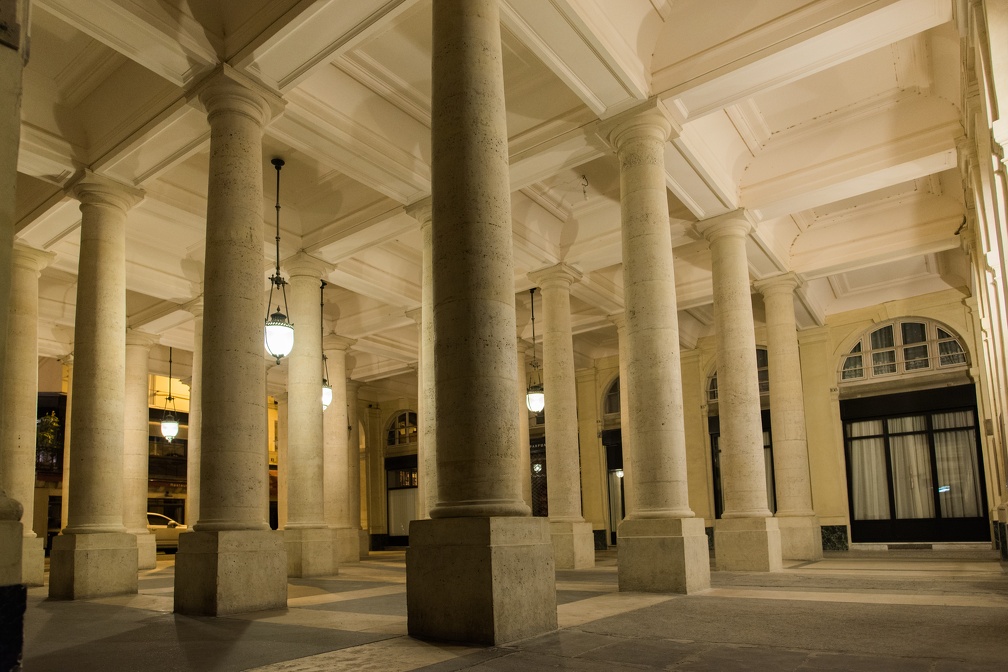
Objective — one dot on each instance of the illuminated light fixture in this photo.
(169, 423)
(326, 387)
(619, 473)
(535, 399)
(279, 332)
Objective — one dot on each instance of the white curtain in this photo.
(958, 471)
(911, 467)
(401, 510)
(868, 470)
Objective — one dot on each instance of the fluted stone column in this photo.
(746, 537)
(195, 308)
(308, 539)
(801, 534)
(661, 545)
(524, 444)
(340, 515)
(18, 412)
(212, 571)
(626, 436)
(353, 457)
(94, 555)
(136, 448)
(481, 554)
(65, 485)
(573, 541)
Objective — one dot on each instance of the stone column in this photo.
(661, 545)
(573, 541)
(94, 556)
(340, 515)
(626, 435)
(423, 493)
(747, 537)
(283, 457)
(801, 534)
(136, 448)
(353, 467)
(65, 485)
(308, 539)
(481, 554)
(212, 574)
(524, 444)
(195, 308)
(18, 412)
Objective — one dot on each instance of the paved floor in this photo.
(924, 610)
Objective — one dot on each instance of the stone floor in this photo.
(921, 610)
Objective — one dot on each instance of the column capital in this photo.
(559, 275)
(785, 283)
(336, 342)
(303, 264)
(522, 346)
(92, 189)
(30, 259)
(618, 319)
(228, 89)
(999, 131)
(194, 307)
(354, 386)
(650, 119)
(421, 210)
(737, 223)
(415, 314)
(141, 338)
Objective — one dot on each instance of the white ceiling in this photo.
(834, 122)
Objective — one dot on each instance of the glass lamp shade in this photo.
(326, 395)
(279, 336)
(169, 427)
(535, 399)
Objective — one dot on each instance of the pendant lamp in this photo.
(279, 331)
(535, 398)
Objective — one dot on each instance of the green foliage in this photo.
(48, 436)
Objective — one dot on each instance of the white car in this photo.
(166, 531)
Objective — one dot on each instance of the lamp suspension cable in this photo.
(326, 387)
(279, 334)
(535, 398)
(169, 423)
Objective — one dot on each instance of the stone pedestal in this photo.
(663, 555)
(480, 580)
(747, 544)
(310, 552)
(573, 544)
(801, 537)
(93, 565)
(231, 572)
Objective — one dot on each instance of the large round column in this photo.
(573, 541)
(136, 444)
(660, 530)
(195, 308)
(18, 412)
(340, 516)
(801, 534)
(309, 541)
(456, 562)
(211, 576)
(67, 361)
(524, 444)
(94, 555)
(746, 537)
(353, 493)
(626, 436)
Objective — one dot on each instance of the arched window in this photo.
(402, 430)
(762, 371)
(905, 346)
(611, 399)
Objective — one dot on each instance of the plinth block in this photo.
(33, 561)
(801, 537)
(92, 565)
(573, 544)
(747, 544)
(480, 580)
(663, 555)
(347, 541)
(230, 572)
(310, 552)
(146, 551)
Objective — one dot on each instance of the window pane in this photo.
(712, 389)
(916, 357)
(913, 423)
(764, 381)
(911, 474)
(882, 338)
(761, 358)
(958, 470)
(865, 428)
(913, 332)
(868, 477)
(856, 348)
(951, 353)
(883, 362)
(852, 368)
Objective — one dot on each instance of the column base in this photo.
(347, 542)
(33, 561)
(480, 580)
(310, 552)
(92, 565)
(800, 537)
(747, 544)
(230, 572)
(663, 555)
(363, 544)
(146, 550)
(573, 544)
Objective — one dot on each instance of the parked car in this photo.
(166, 531)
